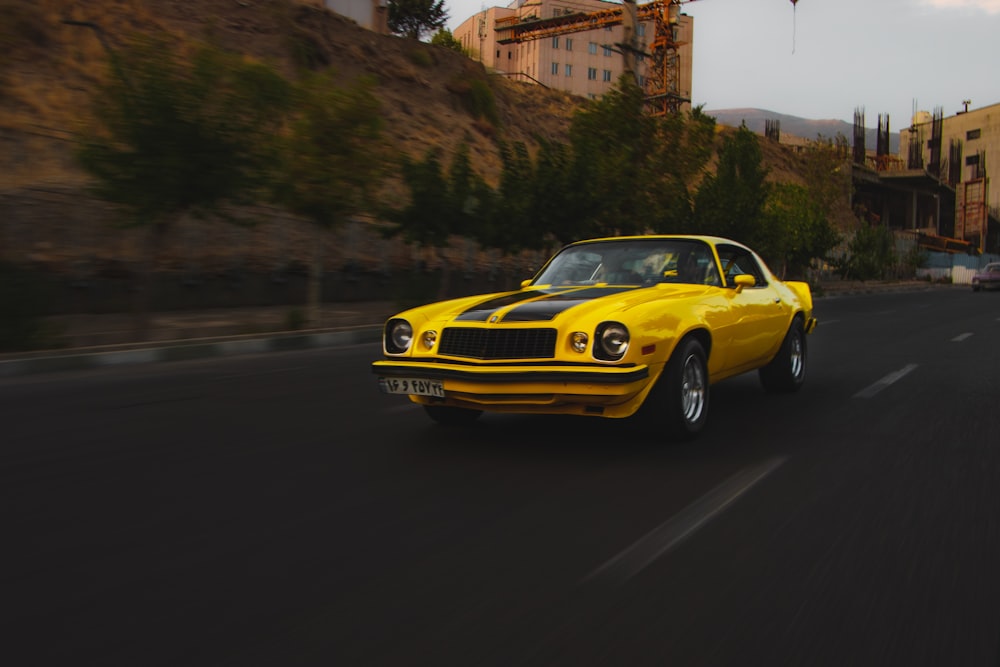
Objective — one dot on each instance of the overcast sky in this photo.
(822, 59)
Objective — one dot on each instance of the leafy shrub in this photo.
(483, 103)
(295, 319)
(421, 58)
(22, 300)
(871, 254)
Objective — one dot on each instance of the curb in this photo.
(168, 351)
(876, 288)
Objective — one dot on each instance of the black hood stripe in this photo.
(545, 309)
(481, 312)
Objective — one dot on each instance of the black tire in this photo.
(787, 371)
(975, 287)
(449, 416)
(678, 404)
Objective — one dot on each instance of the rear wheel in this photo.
(787, 371)
(444, 414)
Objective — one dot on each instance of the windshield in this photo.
(633, 262)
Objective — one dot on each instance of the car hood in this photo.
(552, 304)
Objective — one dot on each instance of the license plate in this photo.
(412, 386)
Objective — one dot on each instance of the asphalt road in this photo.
(278, 510)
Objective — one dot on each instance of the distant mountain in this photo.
(799, 127)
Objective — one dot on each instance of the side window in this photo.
(737, 261)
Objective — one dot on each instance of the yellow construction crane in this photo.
(662, 84)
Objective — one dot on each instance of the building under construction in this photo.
(584, 46)
(938, 186)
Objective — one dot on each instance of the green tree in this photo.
(174, 137)
(443, 37)
(442, 205)
(513, 223)
(683, 146)
(331, 161)
(795, 230)
(555, 197)
(415, 18)
(827, 171)
(612, 144)
(731, 201)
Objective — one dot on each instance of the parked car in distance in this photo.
(627, 327)
(987, 278)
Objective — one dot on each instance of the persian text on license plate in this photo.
(412, 386)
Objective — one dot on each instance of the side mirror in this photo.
(744, 280)
(525, 283)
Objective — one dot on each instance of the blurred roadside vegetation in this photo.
(180, 131)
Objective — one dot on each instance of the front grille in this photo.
(499, 343)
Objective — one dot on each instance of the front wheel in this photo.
(787, 371)
(444, 414)
(678, 405)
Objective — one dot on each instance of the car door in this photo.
(758, 315)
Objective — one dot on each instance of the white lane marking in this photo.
(889, 379)
(960, 338)
(673, 531)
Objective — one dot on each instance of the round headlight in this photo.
(579, 341)
(398, 336)
(614, 340)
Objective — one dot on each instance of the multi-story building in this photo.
(585, 62)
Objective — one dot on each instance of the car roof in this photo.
(713, 240)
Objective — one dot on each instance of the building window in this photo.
(569, 70)
(498, 54)
(606, 76)
(973, 134)
(591, 74)
(555, 69)
(569, 44)
(555, 42)
(592, 48)
(639, 58)
(640, 30)
(607, 51)
(642, 80)
(972, 160)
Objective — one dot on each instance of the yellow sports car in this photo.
(614, 327)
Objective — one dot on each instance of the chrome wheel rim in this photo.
(796, 356)
(692, 389)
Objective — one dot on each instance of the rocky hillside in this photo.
(49, 69)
